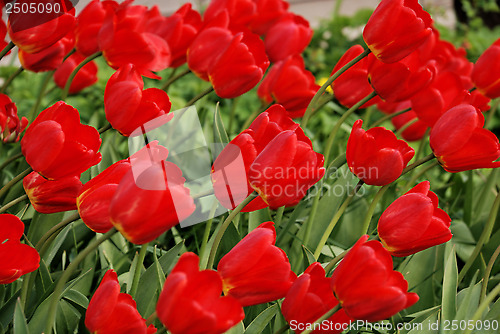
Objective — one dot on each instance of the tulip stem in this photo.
(487, 273)
(75, 71)
(388, 117)
(55, 229)
(41, 93)
(319, 93)
(104, 128)
(10, 160)
(336, 219)
(282, 329)
(199, 96)
(335, 260)
(371, 209)
(6, 49)
(483, 239)
(151, 318)
(12, 203)
(12, 182)
(340, 121)
(321, 319)
(224, 226)
(69, 54)
(416, 176)
(418, 163)
(11, 78)
(56, 295)
(138, 269)
(402, 129)
(174, 78)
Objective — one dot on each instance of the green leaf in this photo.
(160, 274)
(77, 297)
(450, 282)
(237, 329)
(258, 325)
(20, 325)
(308, 256)
(7, 310)
(429, 325)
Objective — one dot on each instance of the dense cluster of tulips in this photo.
(425, 85)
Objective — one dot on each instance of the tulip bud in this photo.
(48, 59)
(10, 124)
(487, 70)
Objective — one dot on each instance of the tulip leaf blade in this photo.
(450, 283)
(258, 325)
(160, 274)
(468, 300)
(236, 329)
(20, 324)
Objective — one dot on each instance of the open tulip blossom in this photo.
(232, 166)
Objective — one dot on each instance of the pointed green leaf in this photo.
(258, 325)
(20, 325)
(450, 282)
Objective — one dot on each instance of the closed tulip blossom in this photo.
(10, 124)
(460, 142)
(413, 222)
(487, 70)
(270, 11)
(366, 285)
(56, 144)
(256, 271)
(309, 298)
(17, 259)
(110, 311)
(49, 196)
(191, 301)
(241, 12)
(85, 77)
(48, 59)
(376, 156)
(396, 29)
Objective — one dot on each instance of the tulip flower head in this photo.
(85, 77)
(366, 285)
(10, 124)
(487, 70)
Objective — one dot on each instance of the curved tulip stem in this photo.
(104, 128)
(10, 160)
(336, 219)
(340, 121)
(416, 176)
(199, 96)
(487, 273)
(371, 209)
(12, 182)
(151, 318)
(11, 78)
(323, 318)
(75, 71)
(335, 260)
(402, 129)
(483, 239)
(319, 93)
(388, 117)
(55, 229)
(6, 49)
(56, 295)
(418, 163)
(224, 226)
(12, 203)
(69, 54)
(174, 78)
(138, 267)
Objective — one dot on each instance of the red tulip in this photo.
(376, 156)
(191, 302)
(255, 271)
(289, 84)
(110, 311)
(367, 286)
(48, 59)
(3, 34)
(17, 259)
(309, 298)
(353, 85)
(89, 23)
(487, 70)
(413, 222)
(269, 11)
(10, 124)
(49, 196)
(95, 197)
(127, 105)
(460, 143)
(287, 37)
(151, 197)
(85, 77)
(56, 144)
(241, 12)
(33, 32)
(396, 29)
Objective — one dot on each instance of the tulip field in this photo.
(227, 168)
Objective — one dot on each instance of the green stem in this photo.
(15, 180)
(75, 71)
(482, 307)
(55, 230)
(322, 318)
(56, 295)
(388, 117)
(340, 121)
(138, 269)
(418, 163)
(400, 131)
(6, 49)
(487, 273)
(11, 78)
(224, 226)
(151, 318)
(104, 128)
(335, 260)
(371, 209)
(319, 93)
(69, 54)
(416, 176)
(282, 329)
(10, 160)
(199, 96)
(12, 203)
(41, 93)
(173, 78)
(336, 219)
(483, 239)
